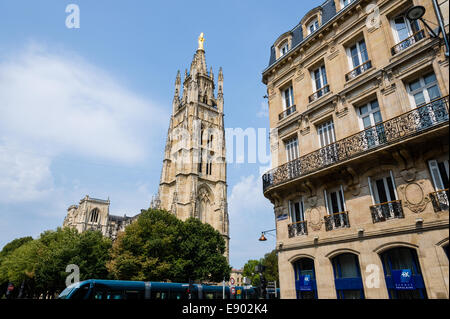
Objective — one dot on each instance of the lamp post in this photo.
(263, 237)
(417, 13)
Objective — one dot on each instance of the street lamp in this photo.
(263, 237)
(417, 13)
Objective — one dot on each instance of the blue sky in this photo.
(86, 111)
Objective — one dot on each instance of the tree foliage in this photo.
(40, 265)
(270, 262)
(160, 247)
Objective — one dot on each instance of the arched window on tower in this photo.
(94, 215)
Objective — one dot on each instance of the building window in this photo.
(404, 28)
(371, 122)
(439, 171)
(384, 190)
(425, 96)
(335, 202)
(319, 76)
(291, 149)
(424, 90)
(297, 211)
(305, 279)
(398, 260)
(347, 277)
(313, 26)
(385, 199)
(440, 174)
(94, 216)
(284, 49)
(406, 33)
(288, 97)
(358, 60)
(326, 133)
(200, 158)
(345, 3)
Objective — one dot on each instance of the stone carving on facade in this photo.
(415, 198)
(315, 219)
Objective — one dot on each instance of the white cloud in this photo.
(250, 214)
(23, 177)
(57, 104)
(66, 105)
(264, 110)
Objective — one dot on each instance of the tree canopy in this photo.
(270, 262)
(160, 247)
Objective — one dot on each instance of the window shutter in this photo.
(434, 169)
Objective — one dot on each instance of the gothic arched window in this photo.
(94, 215)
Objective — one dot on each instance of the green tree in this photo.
(201, 253)
(40, 265)
(160, 247)
(7, 250)
(270, 261)
(250, 272)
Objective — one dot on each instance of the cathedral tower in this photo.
(193, 177)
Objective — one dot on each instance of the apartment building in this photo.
(359, 117)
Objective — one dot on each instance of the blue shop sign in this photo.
(304, 283)
(403, 279)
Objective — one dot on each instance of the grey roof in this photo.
(328, 12)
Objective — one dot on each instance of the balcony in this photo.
(406, 125)
(297, 229)
(360, 69)
(287, 112)
(385, 211)
(319, 93)
(439, 200)
(416, 37)
(337, 220)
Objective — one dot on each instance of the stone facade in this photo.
(358, 110)
(93, 214)
(193, 177)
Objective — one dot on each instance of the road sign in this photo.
(232, 280)
(233, 290)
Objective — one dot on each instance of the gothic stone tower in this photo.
(193, 177)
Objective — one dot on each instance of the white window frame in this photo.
(436, 174)
(292, 212)
(408, 26)
(314, 24)
(423, 88)
(328, 203)
(343, 5)
(360, 57)
(290, 91)
(374, 189)
(291, 147)
(326, 131)
(322, 77)
(284, 49)
(370, 114)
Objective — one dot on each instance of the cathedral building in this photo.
(193, 177)
(93, 214)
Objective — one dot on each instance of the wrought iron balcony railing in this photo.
(319, 93)
(287, 112)
(406, 125)
(439, 200)
(416, 37)
(337, 220)
(297, 229)
(360, 69)
(385, 211)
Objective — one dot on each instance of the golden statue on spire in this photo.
(201, 39)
